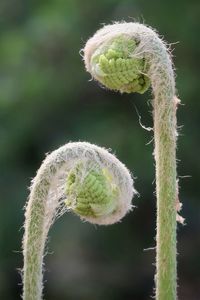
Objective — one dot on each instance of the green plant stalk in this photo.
(36, 233)
(127, 57)
(80, 177)
(33, 260)
(165, 136)
(165, 157)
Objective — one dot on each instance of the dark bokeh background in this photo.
(46, 100)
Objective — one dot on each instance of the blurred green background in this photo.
(47, 99)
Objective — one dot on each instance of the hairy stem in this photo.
(124, 57)
(36, 230)
(165, 157)
(166, 206)
(164, 114)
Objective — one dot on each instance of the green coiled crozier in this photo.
(81, 177)
(93, 194)
(125, 57)
(114, 65)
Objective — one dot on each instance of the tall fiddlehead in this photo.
(128, 57)
(80, 177)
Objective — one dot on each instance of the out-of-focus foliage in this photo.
(46, 100)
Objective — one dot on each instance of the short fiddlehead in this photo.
(80, 177)
(127, 57)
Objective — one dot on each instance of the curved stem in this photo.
(36, 230)
(81, 177)
(124, 57)
(165, 157)
(164, 116)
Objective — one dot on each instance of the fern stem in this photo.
(165, 157)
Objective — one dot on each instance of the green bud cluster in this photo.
(114, 65)
(91, 194)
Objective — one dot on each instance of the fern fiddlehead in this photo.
(80, 177)
(128, 57)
